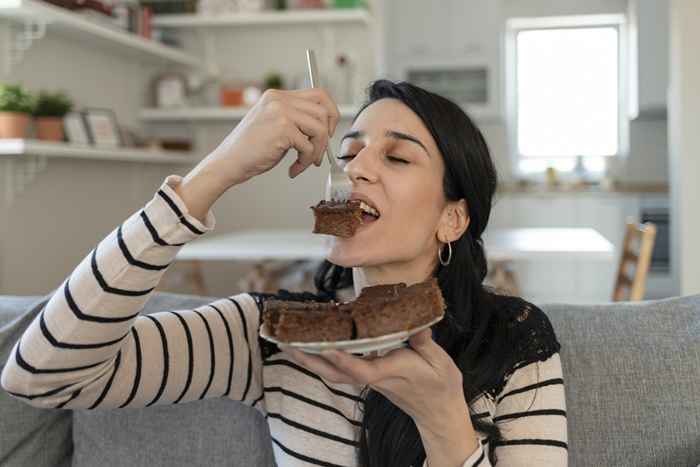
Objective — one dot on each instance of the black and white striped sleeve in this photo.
(531, 414)
(90, 348)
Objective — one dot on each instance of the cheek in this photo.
(416, 202)
(415, 211)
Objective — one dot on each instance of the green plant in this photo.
(14, 98)
(52, 104)
(273, 81)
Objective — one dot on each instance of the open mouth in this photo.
(369, 214)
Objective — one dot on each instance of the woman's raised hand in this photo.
(281, 120)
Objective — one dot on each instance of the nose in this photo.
(362, 167)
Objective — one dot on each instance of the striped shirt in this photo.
(90, 348)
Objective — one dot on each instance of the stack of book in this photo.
(128, 15)
(134, 17)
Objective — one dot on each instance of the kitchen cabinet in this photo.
(417, 29)
(449, 28)
(448, 35)
(649, 41)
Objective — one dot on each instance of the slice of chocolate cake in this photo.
(381, 291)
(307, 321)
(337, 218)
(378, 311)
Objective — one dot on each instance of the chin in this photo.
(348, 253)
(342, 257)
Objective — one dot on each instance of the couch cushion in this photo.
(28, 436)
(213, 432)
(632, 374)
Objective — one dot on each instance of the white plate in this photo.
(356, 346)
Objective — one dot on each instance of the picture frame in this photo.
(170, 90)
(102, 127)
(75, 129)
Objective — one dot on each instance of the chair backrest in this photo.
(637, 247)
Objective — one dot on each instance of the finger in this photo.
(319, 366)
(315, 130)
(423, 343)
(304, 148)
(322, 97)
(318, 111)
(361, 370)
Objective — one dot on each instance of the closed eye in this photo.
(395, 159)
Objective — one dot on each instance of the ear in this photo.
(454, 221)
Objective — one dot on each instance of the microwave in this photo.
(471, 84)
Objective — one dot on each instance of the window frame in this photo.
(516, 25)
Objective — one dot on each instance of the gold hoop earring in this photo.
(449, 254)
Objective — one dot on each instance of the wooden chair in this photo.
(501, 277)
(271, 276)
(637, 247)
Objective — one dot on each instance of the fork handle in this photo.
(313, 80)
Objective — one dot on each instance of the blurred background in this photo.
(591, 110)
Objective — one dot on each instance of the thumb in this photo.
(423, 343)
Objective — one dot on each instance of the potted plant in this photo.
(16, 106)
(273, 80)
(49, 112)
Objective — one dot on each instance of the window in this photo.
(565, 95)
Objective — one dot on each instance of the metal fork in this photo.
(338, 186)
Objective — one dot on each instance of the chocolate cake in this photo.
(337, 218)
(291, 321)
(378, 311)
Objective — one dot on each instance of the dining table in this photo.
(298, 244)
(502, 247)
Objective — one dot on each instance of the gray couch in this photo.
(632, 374)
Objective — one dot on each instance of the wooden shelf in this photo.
(213, 114)
(67, 23)
(28, 147)
(290, 17)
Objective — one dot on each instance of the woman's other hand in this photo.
(421, 379)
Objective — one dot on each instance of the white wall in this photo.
(684, 123)
(515, 8)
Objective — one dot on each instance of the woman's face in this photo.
(395, 167)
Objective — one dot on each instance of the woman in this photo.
(484, 387)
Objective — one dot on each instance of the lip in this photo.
(362, 197)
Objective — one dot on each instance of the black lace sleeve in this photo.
(268, 348)
(531, 335)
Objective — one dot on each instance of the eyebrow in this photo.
(391, 134)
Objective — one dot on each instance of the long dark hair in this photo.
(474, 332)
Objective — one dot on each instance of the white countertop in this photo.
(513, 244)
